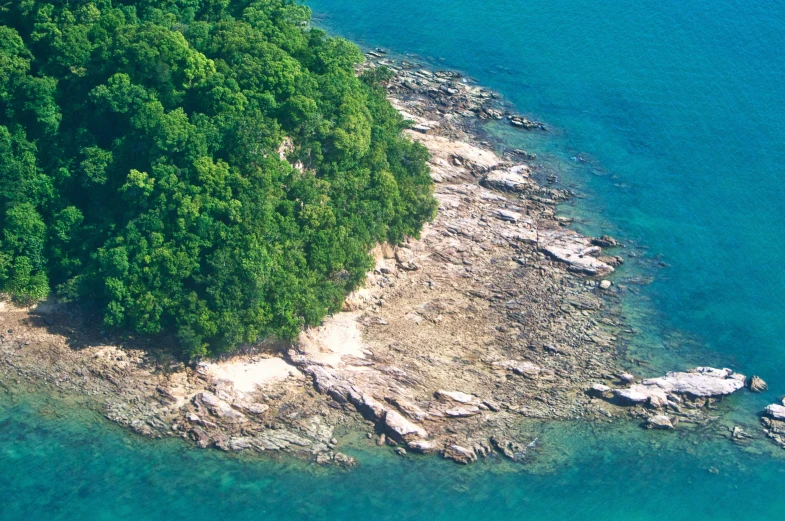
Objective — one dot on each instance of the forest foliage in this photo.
(142, 166)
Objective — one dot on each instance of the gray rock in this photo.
(507, 215)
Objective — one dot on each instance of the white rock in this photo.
(421, 446)
(511, 180)
(573, 249)
(659, 421)
(776, 411)
(632, 395)
(700, 382)
(456, 396)
(462, 412)
(402, 428)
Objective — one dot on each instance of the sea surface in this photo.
(668, 119)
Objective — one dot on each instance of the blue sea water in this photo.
(677, 110)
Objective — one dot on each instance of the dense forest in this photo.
(146, 152)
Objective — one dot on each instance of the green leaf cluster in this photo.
(146, 152)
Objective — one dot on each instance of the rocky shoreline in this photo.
(498, 313)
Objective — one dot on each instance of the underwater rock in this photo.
(757, 385)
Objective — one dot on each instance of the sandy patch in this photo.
(249, 375)
(339, 336)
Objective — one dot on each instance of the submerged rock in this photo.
(757, 385)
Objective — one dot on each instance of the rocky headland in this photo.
(499, 312)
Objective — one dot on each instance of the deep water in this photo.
(676, 110)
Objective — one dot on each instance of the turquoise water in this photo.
(678, 107)
(59, 464)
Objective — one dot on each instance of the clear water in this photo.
(679, 105)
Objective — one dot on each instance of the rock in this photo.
(241, 443)
(278, 439)
(462, 412)
(605, 284)
(252, 408)
(659, 421)
(456, 396)
(699, 382)
(492, 405)
(775, 411)
(513, 180)
(510, 449)
(631, 396)
(574, 250)
(368, 406)
(599, 390)
(757, 385)
(507, 215)
(527, 369)
(627, 378)
(343, 460)
(218, 407)
(606, 241)
(402, 429)
(460, 454)
(738, 434)
(614, 261)
(422, 129)
(421, 446)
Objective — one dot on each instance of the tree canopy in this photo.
(146, 152)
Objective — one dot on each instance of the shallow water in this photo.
(677, 107)
(65, 464)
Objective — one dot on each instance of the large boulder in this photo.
(401, 429)
(702, 382)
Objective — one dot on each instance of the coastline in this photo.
(499, 312)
